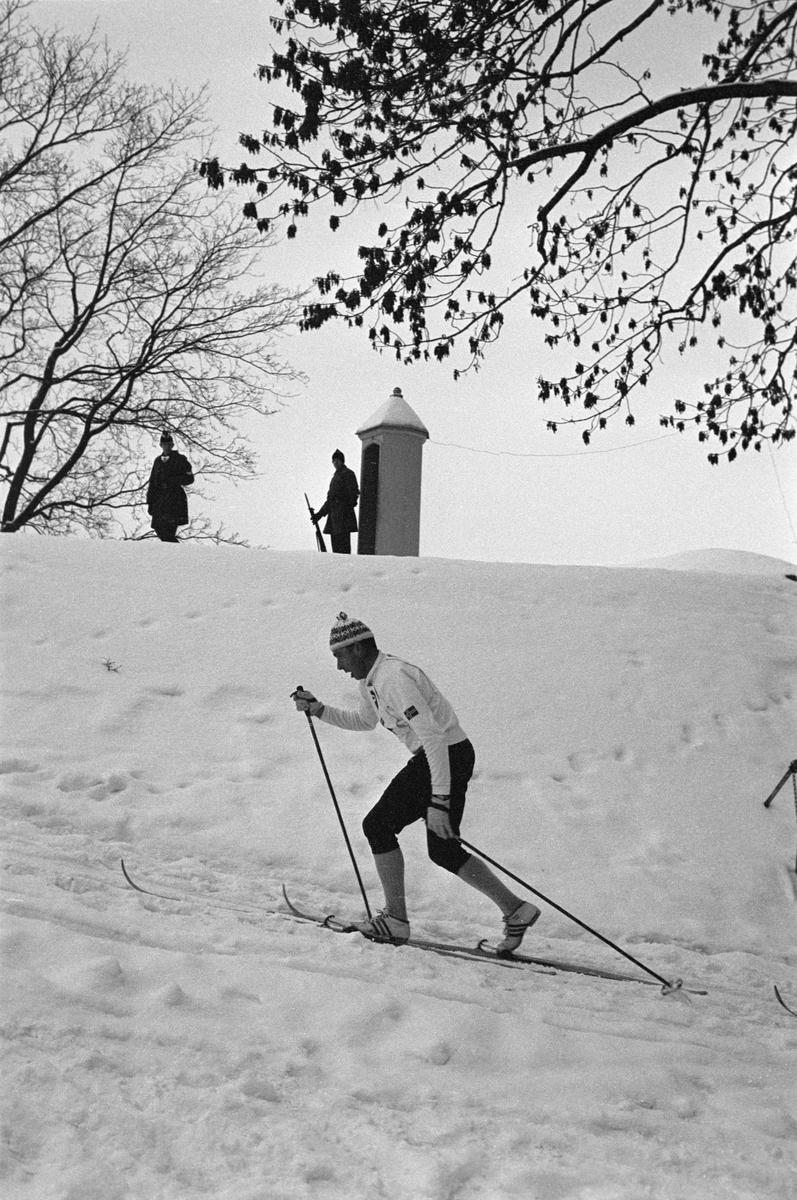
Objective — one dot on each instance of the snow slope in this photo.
(729, 562)
(629, 724)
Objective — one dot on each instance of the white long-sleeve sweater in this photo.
(403, 699)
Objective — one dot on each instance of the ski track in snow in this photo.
(211, 1047)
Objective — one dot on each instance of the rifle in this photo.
(319, 537)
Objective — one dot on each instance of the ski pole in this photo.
(337, 808)
(792, 771)
(668, 986)
(319, 537)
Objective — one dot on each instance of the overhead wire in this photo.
(782, 493)
(553, 454)
(605, 450)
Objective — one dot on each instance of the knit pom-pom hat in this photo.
(346, 631)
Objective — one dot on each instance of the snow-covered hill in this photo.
(728, 562)
(628, 724)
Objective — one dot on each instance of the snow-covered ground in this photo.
(629, 724)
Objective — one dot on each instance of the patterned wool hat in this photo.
(346, 631)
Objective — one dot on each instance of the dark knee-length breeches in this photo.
(406, 800)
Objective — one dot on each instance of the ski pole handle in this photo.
(294, 694)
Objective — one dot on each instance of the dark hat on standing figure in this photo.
(339, 454)
(167, 437)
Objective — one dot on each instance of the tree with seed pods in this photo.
(529, 154)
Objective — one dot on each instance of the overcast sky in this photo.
(496, 485)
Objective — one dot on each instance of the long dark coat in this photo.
(166, 500)
(342, 497)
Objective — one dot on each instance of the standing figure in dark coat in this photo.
(342, 497)
(166, 500)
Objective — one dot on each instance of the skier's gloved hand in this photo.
(438, 820)
(306, 702)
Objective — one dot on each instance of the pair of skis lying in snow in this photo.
(483, 952)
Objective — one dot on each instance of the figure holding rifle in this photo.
(341, 501)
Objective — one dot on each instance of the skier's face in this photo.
(351, 660)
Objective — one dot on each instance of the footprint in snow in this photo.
(166, 689)
(583, 762)
(13, 766)
(78, 783)
(94, 785)
(109, 787)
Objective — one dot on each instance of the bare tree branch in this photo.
(130, 299)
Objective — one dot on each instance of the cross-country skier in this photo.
(430, 787)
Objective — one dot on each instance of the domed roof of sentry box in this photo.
(395, 413)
